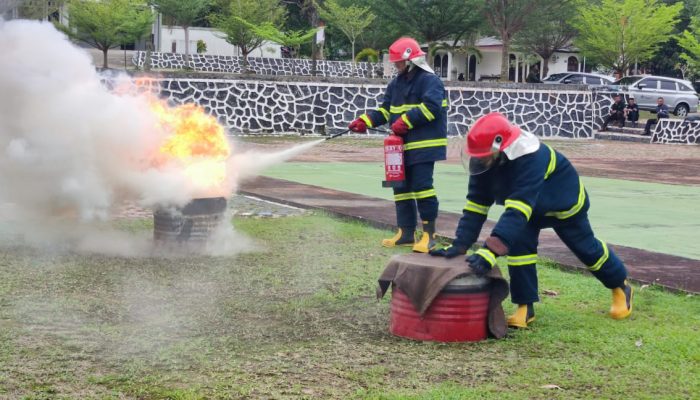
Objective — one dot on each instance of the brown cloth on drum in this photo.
(421, 277)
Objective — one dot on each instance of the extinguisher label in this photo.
(393, 149)
(394, 159)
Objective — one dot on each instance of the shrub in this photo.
(201, 46)
(368, 54)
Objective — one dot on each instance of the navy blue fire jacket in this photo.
(538, 185)
(419, 98)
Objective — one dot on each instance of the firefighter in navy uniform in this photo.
(415, 105)
(539, 189)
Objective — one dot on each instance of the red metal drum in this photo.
(458, 314)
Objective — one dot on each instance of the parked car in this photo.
(580, 78)
(679, 95)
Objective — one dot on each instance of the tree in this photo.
(507, 18)
(618, 33)
(104, 24)
(39, 9)
(183, 13)
(432, 20)
(550, 29)
(241, 19)
(292, 39)
(308, 9)
(689, 42)
(667, 60)
(380, 34)
(441, 24)
(269, 32)
(349, 19)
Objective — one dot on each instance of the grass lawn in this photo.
(645, 115)
(299, 320)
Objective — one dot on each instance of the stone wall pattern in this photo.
(676, 131)
(261, 65)
(260, 106)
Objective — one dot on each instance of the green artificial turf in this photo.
(651, 216)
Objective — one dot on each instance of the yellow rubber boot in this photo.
(427, 239)
(524, 315)
(621, 306)
(403, 237)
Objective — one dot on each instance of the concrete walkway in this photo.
(645, 267)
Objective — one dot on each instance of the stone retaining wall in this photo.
(261, 65)
(253, 104)
(676, 131)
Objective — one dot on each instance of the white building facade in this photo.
(487, 65)
(171, 39)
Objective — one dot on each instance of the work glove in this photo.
(399, 127)
(358, 125)
(450, 251)
(483, 259)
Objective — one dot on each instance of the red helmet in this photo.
(403, 49)
(490, 134)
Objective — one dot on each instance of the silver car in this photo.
(579, 78)
(679, 95)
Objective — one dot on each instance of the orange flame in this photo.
(198, 142)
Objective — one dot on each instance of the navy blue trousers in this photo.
(577, 234)
(417, 196)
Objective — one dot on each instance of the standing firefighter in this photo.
(540, 189)
(415, 105)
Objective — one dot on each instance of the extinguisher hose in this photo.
(335, 135)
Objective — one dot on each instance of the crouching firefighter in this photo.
(415, 106)
(539, 189)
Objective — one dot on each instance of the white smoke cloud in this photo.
(69, 144)
(71, 150)
(248, 164)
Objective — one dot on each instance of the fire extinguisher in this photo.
(393, 162)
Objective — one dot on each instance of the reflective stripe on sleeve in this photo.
(476, 208)
(520, 206)
(487, 255)
(367, 120)
(552, 162)
(424, 109)
(384, 112)
(404, 117)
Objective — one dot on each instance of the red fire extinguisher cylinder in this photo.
(393, 162)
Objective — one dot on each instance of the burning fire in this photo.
(198, 143)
